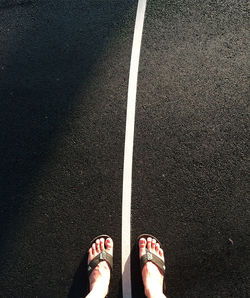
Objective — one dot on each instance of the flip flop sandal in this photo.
(149, 256)
(102, 256)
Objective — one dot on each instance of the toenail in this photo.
(142, 241)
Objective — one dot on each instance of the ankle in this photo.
(149, 293)
(97, 291)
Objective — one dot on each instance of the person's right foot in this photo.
(100, 276)
(152, 276)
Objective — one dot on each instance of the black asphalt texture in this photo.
(64, 68)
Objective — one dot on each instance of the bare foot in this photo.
(100, 277)
(152, 276)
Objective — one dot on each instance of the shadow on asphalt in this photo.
(50, 52)
(80, 285)
(13, 3)
(137, 284)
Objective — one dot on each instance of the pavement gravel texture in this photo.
(64, 69)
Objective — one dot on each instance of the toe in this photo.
(109, 245)
(153, 244)
(157, 246)
(142, 247)
(90, 256)
(149, 240)
(90, 253)
(161, 253)
(102, 244)
(93, 249)
(97, 246)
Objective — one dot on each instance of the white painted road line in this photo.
(128, 152)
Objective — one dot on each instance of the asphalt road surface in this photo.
(64, 68)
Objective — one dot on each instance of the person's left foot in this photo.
(100, 277)
(152, 276)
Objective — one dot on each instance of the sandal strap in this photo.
(149, 256)
(103, 256)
